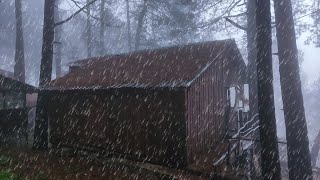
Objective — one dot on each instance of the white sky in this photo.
(311, 64)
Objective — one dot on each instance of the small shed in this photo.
(165, 106)
(13, 106)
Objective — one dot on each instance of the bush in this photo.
(7, 175)
(4, 160)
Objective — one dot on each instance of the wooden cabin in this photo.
(13, 106)
(165, 106)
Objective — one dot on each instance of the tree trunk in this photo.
(128, 25)
(268, 131)
(252, 56)
(299, 161)
(252, 75)
(58, 41)
(89, 35)
(41, 122)
(140, 24)
(315, 150)
(102, 27)
(19, 69)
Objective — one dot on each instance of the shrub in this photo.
(4, 160)
(7, 175)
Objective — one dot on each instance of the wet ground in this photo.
(19, 161)
(27, 164)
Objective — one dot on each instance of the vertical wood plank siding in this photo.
(13, 121)
(147, 125)
(205, 101)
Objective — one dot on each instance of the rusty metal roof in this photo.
(166, 67)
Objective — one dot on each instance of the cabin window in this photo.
(238, 96)
(232, 96)
(246, 97)
(12, 100)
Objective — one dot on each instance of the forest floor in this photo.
(22, 163)
(19, 163)
(27, 164)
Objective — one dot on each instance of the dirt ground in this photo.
(27, 164)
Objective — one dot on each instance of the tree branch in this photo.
(74, 14)
(85, 11)
(237, 15)
(224, 15)
(235, 24)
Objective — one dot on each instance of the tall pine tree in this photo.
(41, 122)
(267, 121)
(299, 161)
(19, 69)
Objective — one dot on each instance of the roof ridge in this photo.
(176, 66)
(206, 67)
(150, 50)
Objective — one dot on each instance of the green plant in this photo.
(4, 160)
(7, 175)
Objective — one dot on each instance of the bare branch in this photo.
(225, 14)
(74, 14)
(235, 24)
(237, 15)
(85, 11)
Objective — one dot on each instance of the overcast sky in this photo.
(311, 64)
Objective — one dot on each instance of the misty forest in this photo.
(159, 89)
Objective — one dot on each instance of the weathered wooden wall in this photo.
(13, 123)
(205, 112)
(13, 119)
(206, 102)
(161, 125)
(148, 124)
